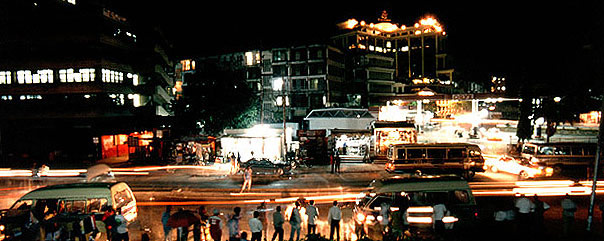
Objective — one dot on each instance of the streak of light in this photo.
(171, 167)
(318, 199)
(131, 173)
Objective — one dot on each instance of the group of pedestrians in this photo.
(258, 223)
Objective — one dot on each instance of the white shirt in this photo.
(334, 213)
(524, 205)
(122, 224)
(439, 211)
(313, 213)
(384, 210)
(568, 207)
(255, 225)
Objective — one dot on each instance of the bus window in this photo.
(474, 153)
(122, 198)
(377, 202)
(546, 150)
(95, 204)
(562, 150)
(400, 153)
(456, 153)
(528, 150)
(459, 197)
(437, 153)
(23, 204)
(589, 150)
(415, 153)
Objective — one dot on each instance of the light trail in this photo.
(350, 197)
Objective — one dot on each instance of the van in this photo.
(411, 200)
(74, 198)
(436, 158)
(560, 156)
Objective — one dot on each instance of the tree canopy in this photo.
(214, 99)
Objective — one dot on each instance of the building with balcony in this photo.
(387, 58)
(75, 72)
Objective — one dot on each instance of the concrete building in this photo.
(75, 72)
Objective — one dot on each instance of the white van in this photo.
(76, 198)
(414, 197)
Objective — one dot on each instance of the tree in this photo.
(214, 99)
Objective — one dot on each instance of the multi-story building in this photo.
(383, 54)
(77, 78)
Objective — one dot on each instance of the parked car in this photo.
(268, 167)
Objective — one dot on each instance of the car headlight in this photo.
(369, 219)
(549, 171)
(2, 228)
(360, 217)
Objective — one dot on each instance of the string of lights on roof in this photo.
(427, 24)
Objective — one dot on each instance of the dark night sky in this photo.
(541, 39)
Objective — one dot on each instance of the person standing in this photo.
(278, 221)
(295, 220)
(164, 220)
(568, 214)
(523, 207)
(256, 227)
(313, 214)
(121, 232)
(439, 211)
(233, 224)
(539, 208)
(247, 179)
(215, 226)
(263, 218)
(338, 160)
(199, 229)
(332, 162)
(385, 213)
(333, 217)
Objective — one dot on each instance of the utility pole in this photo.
(599, 149)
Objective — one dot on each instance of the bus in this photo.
(386, 133)
(561, 155)
(442, 158)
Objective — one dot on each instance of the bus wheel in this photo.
(494, 168)
(557, 169)
(523, 175)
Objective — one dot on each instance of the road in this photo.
(214, 187)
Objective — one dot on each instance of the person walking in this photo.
(333, 217)
(385, 213)
(278, 221)
(539, 209)
(332, 161)
(568, 215)
(247, 179)
(233, 224)
(523, 208)
(294, 221)
(313, 214)
(164, 220)
(121, 229)
(256, 227)
(215, 225)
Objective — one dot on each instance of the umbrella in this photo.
(182, 218)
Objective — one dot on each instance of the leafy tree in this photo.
(214, 99)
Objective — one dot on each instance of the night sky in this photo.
(544, 43)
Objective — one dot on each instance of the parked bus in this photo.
(560, 155)
(454, 158)
(386, 133)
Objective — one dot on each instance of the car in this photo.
(268, 167)
(525, 169)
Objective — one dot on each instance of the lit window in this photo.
(7, 97)
(24, 77)
(5, 78)
(135, 81)
(111, 76)
(405, 49)
(136, 99)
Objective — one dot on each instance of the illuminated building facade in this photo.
(498, 84)
(74, 71)
(304, 77)
(386, 58)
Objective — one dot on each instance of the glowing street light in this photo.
(557, 99)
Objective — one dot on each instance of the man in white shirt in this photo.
(524, 206)
(334, 217)
(438, 213)
(256, 227)
(313, 214)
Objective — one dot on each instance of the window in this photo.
(456, 153)
(70, 76)
(5, 78)
(96, 204)
(122, 198)
(111, 76)
(400, 154)
(528, 150)
(377, 202)
(437, 153)
(562, 150)
(44, 76)
(415, 153)
(76, 206)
